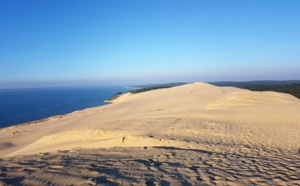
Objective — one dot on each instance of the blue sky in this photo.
(71, 42)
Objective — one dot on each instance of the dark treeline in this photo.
(290, 87)
(164, 85)
(148, 89)
(115, 96)
(145, 88)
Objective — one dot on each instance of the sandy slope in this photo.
(251, 133)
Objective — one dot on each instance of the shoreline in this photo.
(83, 99)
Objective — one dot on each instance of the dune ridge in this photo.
(93, 139)
(230, 135)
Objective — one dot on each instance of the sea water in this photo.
(25, 105)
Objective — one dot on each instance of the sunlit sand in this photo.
(191, 134)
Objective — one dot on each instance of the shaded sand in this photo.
(150, 166)
(195, 134)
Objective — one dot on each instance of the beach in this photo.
(194, 134)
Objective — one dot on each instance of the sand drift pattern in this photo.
(152, 166)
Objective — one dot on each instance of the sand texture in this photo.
(195, 134)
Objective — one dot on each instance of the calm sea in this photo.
(24, 105)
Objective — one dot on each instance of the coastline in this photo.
(21, 107)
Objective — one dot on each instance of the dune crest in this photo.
(244, 98)
(195, 134)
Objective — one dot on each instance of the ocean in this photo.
(24, 105)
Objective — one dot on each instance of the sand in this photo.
(195, 134)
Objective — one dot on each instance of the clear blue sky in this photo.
(71, 42)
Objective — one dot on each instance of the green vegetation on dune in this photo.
(145, 88)
(148, 89)
(289, 87)
(293, 89)
(165, 85)
(115, 96)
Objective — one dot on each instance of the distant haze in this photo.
(113, 42)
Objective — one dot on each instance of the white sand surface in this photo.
(214, 136)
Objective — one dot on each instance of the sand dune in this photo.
(191, 134)
(92, 139)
